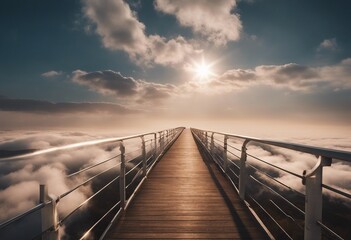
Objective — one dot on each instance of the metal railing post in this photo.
(206, 140)
(49, 216)
(225, 155)
(122, 178)
(143, 152)
(161, 142)
(243, 171)
(212, 144)
(155, 150)
(313, 199)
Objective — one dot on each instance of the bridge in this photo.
(190, 184)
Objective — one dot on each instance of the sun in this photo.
(202, 70)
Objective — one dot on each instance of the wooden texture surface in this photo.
(183, 198)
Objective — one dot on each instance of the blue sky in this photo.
(287, 60)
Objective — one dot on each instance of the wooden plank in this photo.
(181, 200)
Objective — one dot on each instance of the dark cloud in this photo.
(107, 82)
(113, 83)
(38, 106)
(293, 76)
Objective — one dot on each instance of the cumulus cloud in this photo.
(51, 74)
(39, 106)
(120, 29)
(213, 19)
(293, 76)
(114, 83)
(117, 25)
(169, 52)
(24, 185)
(328, 44)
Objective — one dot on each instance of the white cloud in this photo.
(213, 19)
(20, 179)
(169, 52)
(328, 44)
(117, 25)
(51, 74)
(120, 29)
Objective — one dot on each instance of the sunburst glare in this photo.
(202, 70)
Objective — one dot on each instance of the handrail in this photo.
(152, 149)
(92, 166)
(76, 145)
(217, 150)
(22, 215)
(317, 151)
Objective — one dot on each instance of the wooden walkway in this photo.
(183, 198)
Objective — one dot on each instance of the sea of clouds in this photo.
(20, 178)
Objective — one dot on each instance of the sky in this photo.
(71, 70)
(251, 66)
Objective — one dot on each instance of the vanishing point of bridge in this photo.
(188, 184)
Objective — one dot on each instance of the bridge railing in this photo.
(286, 212)
(129, 168)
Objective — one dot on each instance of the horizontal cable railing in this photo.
(287, 212)
(129, 172)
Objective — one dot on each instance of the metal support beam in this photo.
(314, 199)
(143, 153)
(155, 147)
(212, 144)
(206, 140)
(49, 215)
(161, 142)
(225, 153)
(243, 171)
(122, 179)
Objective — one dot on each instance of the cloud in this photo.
(24, 185)
(51, 74)
(294, 161)
(107, 82)
(39, 106)
(36, 140)
(169, 52)
(213, 19)
(113, 83)
(117, 25)
(292, 76)
(120, 29)
(328, 44)
(19, 180)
